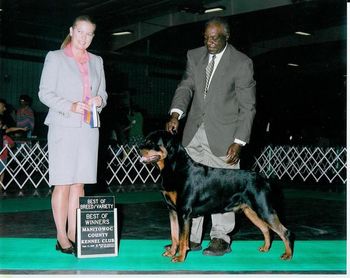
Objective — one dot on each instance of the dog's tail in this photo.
(277, 197)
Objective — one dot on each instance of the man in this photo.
(220, 117)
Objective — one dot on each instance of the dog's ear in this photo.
(171, 144)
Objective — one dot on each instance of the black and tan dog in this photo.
(191, 190)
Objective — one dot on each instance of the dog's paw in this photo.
(169, 253)
(264, 249)
(286, 256)
(178, 259)
(167, 247)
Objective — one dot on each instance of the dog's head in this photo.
(158, 146)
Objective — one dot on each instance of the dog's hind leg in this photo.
(174, 228)
(262, 225)
(286, 235)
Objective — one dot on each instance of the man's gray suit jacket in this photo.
(228, 110)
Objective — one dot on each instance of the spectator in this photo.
(5, 142)
(7, 119)
(25, 115)
(135, 128)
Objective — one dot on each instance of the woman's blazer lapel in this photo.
(92, 67)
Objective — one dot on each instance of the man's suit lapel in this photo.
(222, 66)
(219, 72)
(201, 72)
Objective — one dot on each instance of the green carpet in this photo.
(145, 256)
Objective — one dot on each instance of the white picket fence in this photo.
(27, 165)
(315, 163)
(124, 166)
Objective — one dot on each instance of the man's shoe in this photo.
(217, 247)
(194, 246)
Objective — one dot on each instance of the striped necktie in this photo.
(208, 72)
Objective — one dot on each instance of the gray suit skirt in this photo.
(73, 153)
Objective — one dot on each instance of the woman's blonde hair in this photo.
(86, 18)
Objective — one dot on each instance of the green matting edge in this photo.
(146, 255)
(29, 204)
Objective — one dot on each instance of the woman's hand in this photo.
(80, 107)
(97, 100)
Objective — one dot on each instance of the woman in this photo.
(25, 116)
(72, 82)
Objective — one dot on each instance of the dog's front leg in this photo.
(174, 228)
(184, 240)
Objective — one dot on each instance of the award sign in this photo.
(97, 227)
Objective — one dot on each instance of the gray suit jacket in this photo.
(228, 110)
(61, 85)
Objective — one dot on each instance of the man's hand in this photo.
(173, 124)
(233, 153)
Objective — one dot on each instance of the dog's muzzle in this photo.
(150, 159)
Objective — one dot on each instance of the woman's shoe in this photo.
(68, 250)
(73, 243)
